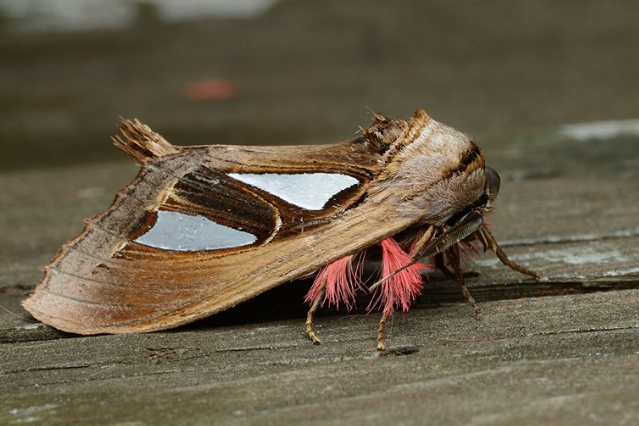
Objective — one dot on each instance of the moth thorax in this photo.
(446, 198)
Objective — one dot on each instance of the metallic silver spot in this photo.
(309, 191)
(181, 232)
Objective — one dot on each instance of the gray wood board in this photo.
(566, 357)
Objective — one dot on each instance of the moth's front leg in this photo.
(440, 264)
(489, 242)
(454, 261)
(438, 259)
(422, 242)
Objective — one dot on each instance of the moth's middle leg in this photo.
(311, 313)
(381, 346)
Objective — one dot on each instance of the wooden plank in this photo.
(558, 351)
(566, 358)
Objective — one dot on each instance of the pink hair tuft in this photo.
(468, 248)
(400, 290)
(341, 280)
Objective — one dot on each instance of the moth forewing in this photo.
(142, 294)
(202, 229)
(107, 280)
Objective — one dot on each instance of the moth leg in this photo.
(452, 253)
(423, 240)
(490, 242)
(441, 265)
(381, 346)
(309, 317)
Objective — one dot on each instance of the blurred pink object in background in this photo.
(211, 89)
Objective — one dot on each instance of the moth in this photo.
(204, 228)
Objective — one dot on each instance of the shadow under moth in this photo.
(204, 228)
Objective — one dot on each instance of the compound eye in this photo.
(492, 183)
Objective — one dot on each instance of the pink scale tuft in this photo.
(468, 248)
(400, 290)
(341, 280)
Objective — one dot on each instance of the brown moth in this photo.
(204, 228)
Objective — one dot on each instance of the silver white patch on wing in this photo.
(309, 191)
(181, 232)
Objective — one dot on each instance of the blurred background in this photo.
(299, 72)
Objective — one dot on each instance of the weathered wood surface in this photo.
(568, 357)
(560, 351)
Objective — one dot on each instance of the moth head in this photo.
(484, 204)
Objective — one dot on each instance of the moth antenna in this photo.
(452, 236)
(140, 142)
(426, 246)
